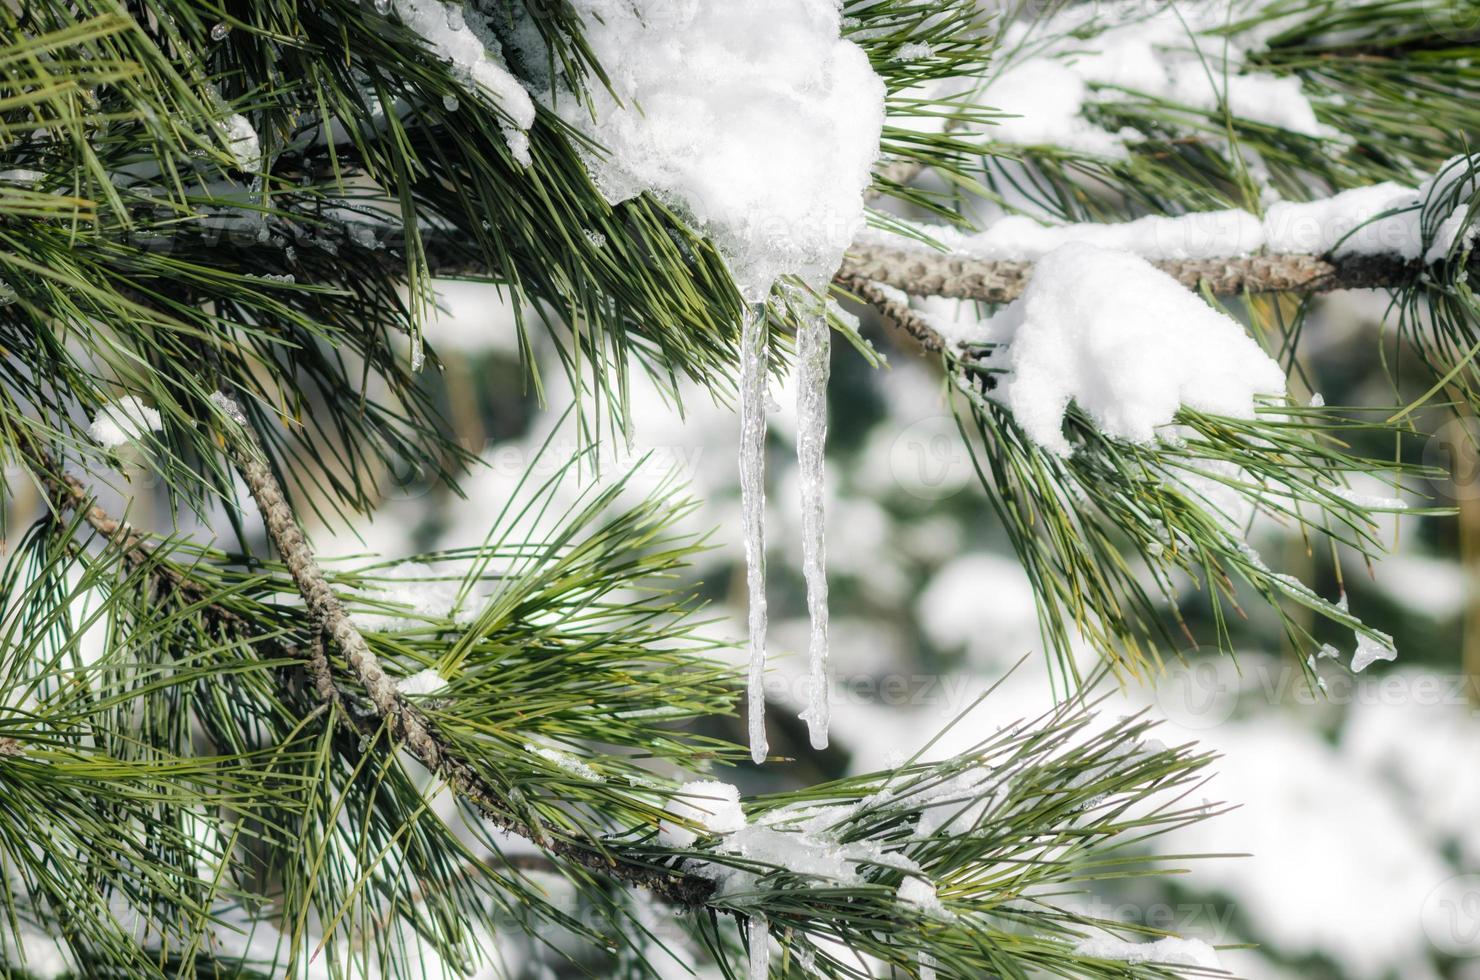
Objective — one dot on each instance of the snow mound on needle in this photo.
(123, 421)
(1081, 56)
(756, 119)
(1127, 343)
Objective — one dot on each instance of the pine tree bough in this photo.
(924, 273)
(323, 605)
(405, 721)
(66, 492)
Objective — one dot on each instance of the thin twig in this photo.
(896, 309)
(404, 719)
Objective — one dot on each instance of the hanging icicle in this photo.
(753, 512)
(814, 344)
(759, 941)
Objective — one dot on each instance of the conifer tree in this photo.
(219, 225)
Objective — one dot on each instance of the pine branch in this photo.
(405, 720)
(66, 492)
(1036, 797)
(927, 273)
(920, 271)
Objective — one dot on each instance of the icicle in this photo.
(760, 948)
(753, 511)
(814, 343)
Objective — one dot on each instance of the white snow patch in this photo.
(422, 682)
(1126, 343)
(798, 852)
(123, 421)
(565, 761)
(241, 138)
(711, 804)
(1222, 488)
(1171, 950)
(1345, 223)
(756, 118)
(1053, 73)
(955, 805)
(416, 591)
(1381, 219)
(448, 35)
(1019, 238)
(920, 893)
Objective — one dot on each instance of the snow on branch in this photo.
(925, 273)
(1061, 70)
(1368, 237)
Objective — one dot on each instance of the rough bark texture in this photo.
(897, 311)
(921, 272)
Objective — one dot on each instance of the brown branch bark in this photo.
(897, 311)
(66, 492)
(921, 272)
